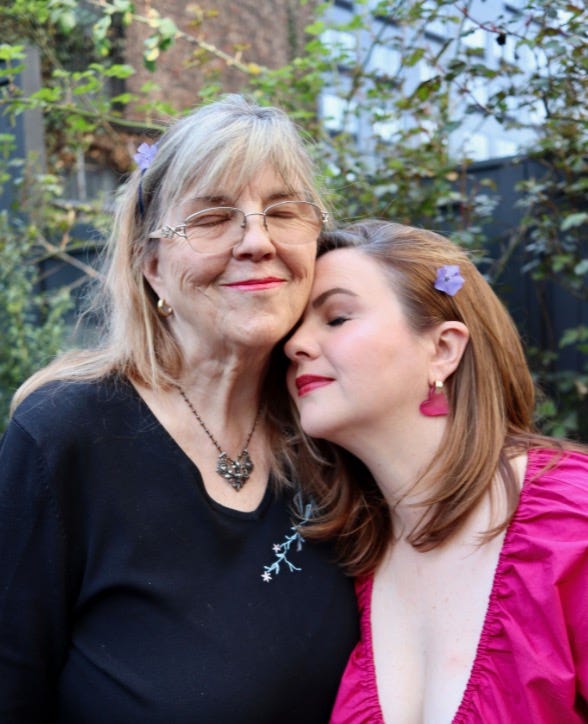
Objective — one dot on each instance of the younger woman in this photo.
(468, 531)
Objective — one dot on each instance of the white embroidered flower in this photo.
(292, 543)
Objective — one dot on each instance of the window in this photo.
(474, 38)
(384, 60)
(477, 146)
(436, 26)
(341, 45)
(338, 114)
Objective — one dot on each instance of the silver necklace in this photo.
(235, 472)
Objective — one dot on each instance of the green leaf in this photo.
(316, 28)
(123, 6)
(101, 27)
(167, 28)
(11, 52)
(119, 71)
(124, 98)
(581, 268)
(47, 95)
(151, 54)
(573, 220)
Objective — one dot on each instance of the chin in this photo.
(318, 429)
(265, 333)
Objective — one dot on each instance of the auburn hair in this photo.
(491, 398)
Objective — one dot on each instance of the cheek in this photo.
(365, 363)
(192, 271)
(300, 260)
(300, 297)
(300, 264)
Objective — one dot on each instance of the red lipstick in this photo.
(254, 285)
(308, 383)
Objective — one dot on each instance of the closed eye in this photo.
(214, 217)
(337, 321)
(286, 213)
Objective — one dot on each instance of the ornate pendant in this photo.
(235, 472)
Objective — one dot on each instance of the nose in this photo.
(299, 346)
(256, 243)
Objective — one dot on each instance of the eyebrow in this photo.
(222, 200)
(217, 200)
(322, 298)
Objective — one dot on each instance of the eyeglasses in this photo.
(220, 228)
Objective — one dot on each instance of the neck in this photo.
(397, 459)
(225, 390)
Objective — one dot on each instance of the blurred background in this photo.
(469, 118)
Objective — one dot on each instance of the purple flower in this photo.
(449, 279)
(145, 155)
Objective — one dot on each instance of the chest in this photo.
(428, 611)
(174, 616)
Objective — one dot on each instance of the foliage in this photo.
(34, 244)
(396, 142)
(31, 330)
(32, 325)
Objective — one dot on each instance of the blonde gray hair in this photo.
(220, 145)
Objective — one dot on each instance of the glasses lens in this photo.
(214, 230)
(294, 222)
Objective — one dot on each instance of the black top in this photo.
(128, 595)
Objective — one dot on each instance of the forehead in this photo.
(353, 270)
(266, 183)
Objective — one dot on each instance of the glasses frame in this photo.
(168, 232)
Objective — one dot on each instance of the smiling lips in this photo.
(255, 285)
(308, 383)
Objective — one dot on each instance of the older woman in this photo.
(468, 530)
(150, 571)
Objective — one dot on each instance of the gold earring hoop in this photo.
(163, 308)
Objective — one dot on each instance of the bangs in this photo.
(236, 158)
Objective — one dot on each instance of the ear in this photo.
(151, 273)
(450, 340)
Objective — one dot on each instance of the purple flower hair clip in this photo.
(143, 158)
(449, 279)
(145, 155)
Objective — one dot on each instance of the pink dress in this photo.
(531, 663)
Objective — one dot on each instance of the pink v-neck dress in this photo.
(531, 663)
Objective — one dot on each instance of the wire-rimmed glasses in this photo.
(220, 228)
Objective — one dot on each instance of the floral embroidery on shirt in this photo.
(292, 542)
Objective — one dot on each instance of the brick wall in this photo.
(266, 32)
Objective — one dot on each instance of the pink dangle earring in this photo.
(436, 404)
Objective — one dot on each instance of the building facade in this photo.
(445, 33)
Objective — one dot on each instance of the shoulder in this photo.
(66, 436)
(559, 470)
(63, 406)
(554, 497)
